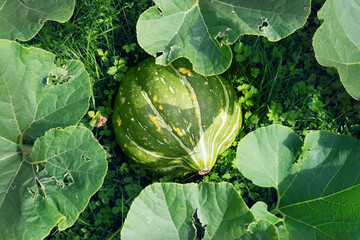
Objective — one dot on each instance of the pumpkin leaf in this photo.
(169, 210)
(260, 211)
(22, 19)
(202, 30)
(337, 41)
(317, 182)
(47, 174)
(261, 229)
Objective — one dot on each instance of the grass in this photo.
(277, 82)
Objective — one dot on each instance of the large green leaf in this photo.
(44, 180)
(202, 30)
(318, 182)
(337, 41)
(260, 211)
(22, 19)
(169, 210)
(261, 230)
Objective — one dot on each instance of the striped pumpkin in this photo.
(173, 120)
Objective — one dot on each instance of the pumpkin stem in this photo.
(204, 171)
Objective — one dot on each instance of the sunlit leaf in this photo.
(318, 181)
(202, 30)
(170, 211)
(337, 41)
(22, 19)
(47, 174)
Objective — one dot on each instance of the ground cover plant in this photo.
(276, 82)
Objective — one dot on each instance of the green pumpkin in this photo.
(173, 120)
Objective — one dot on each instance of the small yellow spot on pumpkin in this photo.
(177, 130)
(161, 107)
(192, 142)
(156, 122)
(185, 71)
(119, 122)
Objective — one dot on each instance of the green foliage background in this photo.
(276, 82)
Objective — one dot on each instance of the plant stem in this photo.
(115, 233)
